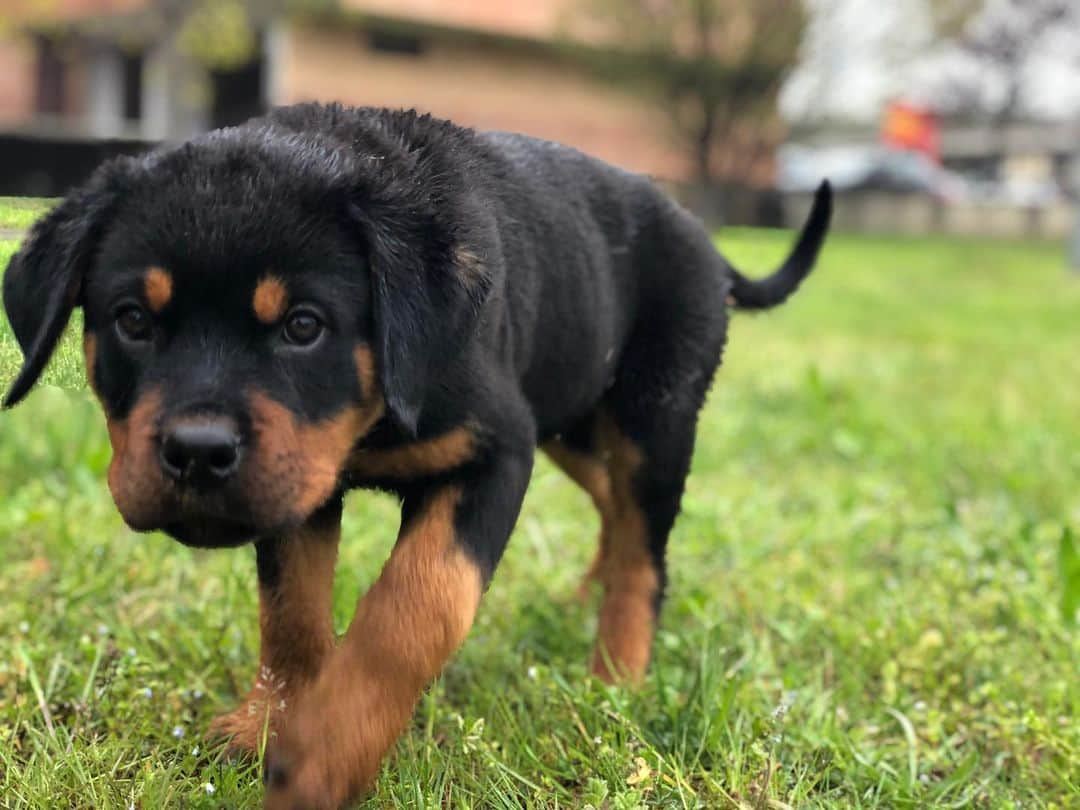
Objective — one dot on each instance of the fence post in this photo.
(1074, 244)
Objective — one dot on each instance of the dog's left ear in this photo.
(429, 286)
(43, 282)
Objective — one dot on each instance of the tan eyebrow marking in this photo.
(270, 299)
(158, 287)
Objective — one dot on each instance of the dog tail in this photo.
(768, 292)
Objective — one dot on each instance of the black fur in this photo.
(508, 283)
(583, 286)
(509, 286)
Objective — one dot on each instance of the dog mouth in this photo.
(250, 503)
(210, 520)
(222, 519)
(212, 532)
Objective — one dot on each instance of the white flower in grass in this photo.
(531, 672)
(178, 731)
(103, 629)
(209, 788)
(24, 627)
(147, 692)
(195, 751)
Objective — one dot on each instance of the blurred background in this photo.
(875, 578)
(930, 116)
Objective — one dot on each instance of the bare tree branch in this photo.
(713, 63)
(1002, 36)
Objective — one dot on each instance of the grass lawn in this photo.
(873, 583)
(18, 213)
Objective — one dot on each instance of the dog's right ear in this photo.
(43, 282)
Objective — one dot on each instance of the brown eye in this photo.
(302, 327)
(133, 324)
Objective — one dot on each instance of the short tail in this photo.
(768, 292)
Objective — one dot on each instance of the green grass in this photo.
(19, 213)
(872, 601)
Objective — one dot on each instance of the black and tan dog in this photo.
(329, 298)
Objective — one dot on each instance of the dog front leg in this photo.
(296, 578)
(406, 627)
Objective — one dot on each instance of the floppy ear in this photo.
(428, 290)
(43, 282)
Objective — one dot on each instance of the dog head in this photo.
(254, 302)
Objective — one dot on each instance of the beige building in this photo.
(100, 69)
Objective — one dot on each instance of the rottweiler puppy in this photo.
(328, 298)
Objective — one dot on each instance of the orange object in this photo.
(907, 126)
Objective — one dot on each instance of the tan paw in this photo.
(249, 725)
(245, 728)
(330, 747)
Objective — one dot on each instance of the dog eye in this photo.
(302, 327)
(133, 324)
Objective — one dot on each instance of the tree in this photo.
(1000, 39)
(715, 65)
(220, 34)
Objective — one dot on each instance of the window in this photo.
(237, 94)
(396, 42)
(51, 79)
(133, 85)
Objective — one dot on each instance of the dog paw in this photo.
(243, 729)
(329, 749)
(295, 779)
(247, 727)
(304, 771)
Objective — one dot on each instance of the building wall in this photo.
(490, 88)
(539, 19)
(17, 62)
(18, 84)
(484, 83)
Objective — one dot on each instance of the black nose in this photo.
(202, 452)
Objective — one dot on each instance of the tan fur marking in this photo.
(270, 299)
(442, 453)
(623, 563)
(158, 287)
(365, 370)
(587, 471)
(411, 621)
(296, 466)
(134, 474)
(631, 583)
(296, 633)
(627, 619)
(591, 474)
